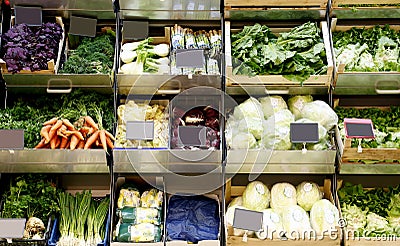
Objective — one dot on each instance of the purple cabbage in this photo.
(30, 48)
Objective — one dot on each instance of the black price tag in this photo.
(11, 139)
(190, 58)
(135, 30)
(359, 128)
(140, 130)
(192, 135)
(304, 133)
(247, 219)
(32, 16)
(12, 228)
(82, 26)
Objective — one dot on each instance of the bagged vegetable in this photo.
(271, 105)
(249, 108)
(272, 225)
(321, 112)
(308, 193)
(140, 215)
(283, 117)
(283, 194)
(252, 125)
(256, 196)
(152, 198)
(296, 222)
(139, 233)
(296, 104)
(128, 197)
(324, 216)
(322, 132)
(277, 138)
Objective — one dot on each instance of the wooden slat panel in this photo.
(255, 3)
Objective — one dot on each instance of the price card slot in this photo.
(12, 228)
(359, 128)
(32, 16)
(248, 220)
(82, 26)
(304, 133)
(140, 130)
(192, 135)
(12, 139)
(190, 58)
(135, 30)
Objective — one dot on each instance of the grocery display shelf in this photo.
(280, 161)
(164, 84)
(343, 9)
(352, 168)
(53, 161)
(165, 160)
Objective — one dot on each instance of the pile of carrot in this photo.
(59, 133)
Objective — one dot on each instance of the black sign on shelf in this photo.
(192, 135)
(135, 30)
(12, 139)
(248, 220)
(12, 228)
(304, 133)
(140, 130)
(190, 58)
(32, 16)
(82, 26)
(359, 128)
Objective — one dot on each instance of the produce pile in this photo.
(30, 114)
(132, 111)
(288, 211)
(368, 50)
(90, 55)
(81, 219)
(370, 212)
(143, 57)
(30, 48)
(296, 54)
(209, 41)
(265, 122)
(139, 215)
(31, 196)
(202, 116)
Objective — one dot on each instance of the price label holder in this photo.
(359, 129)
(140, 130)
(304, 133)
(82, 26)
(190, 58)
(30, 15)
(192, 136)
(247, 220)
(135, 30)
(12, 228)
(12, 139)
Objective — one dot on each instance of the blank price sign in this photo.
(304, 133)
(247, 219)
(359, 128)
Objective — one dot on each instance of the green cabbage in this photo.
(272, 226)
(249, 108)
(376, 224)
(324, 216)
(277, 138)
(321, 112)
(282, 117)
(242, 140)
(272, 104)
(296, 104)
(252, 125)
(322, 132)
(256, 196)
(307, 194)
(295, 221)
(283, 194)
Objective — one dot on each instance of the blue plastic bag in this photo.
(192, 218)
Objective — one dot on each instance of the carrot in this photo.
(110, 135)
(74, 142)
(64, 142)
(91, 140)
(79, 135)
(41, 144)
(68, 144)
(53, 142)
(44, 132)
(90, 122)
(103, 139)
(81, 144)
(68, 124)
(54, 128)
(68, 133)
(97, 143)
(51, 122)
(58, 142)
(109, 142)
(61, 131)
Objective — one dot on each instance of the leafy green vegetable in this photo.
(296, 54)
(30, 195)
